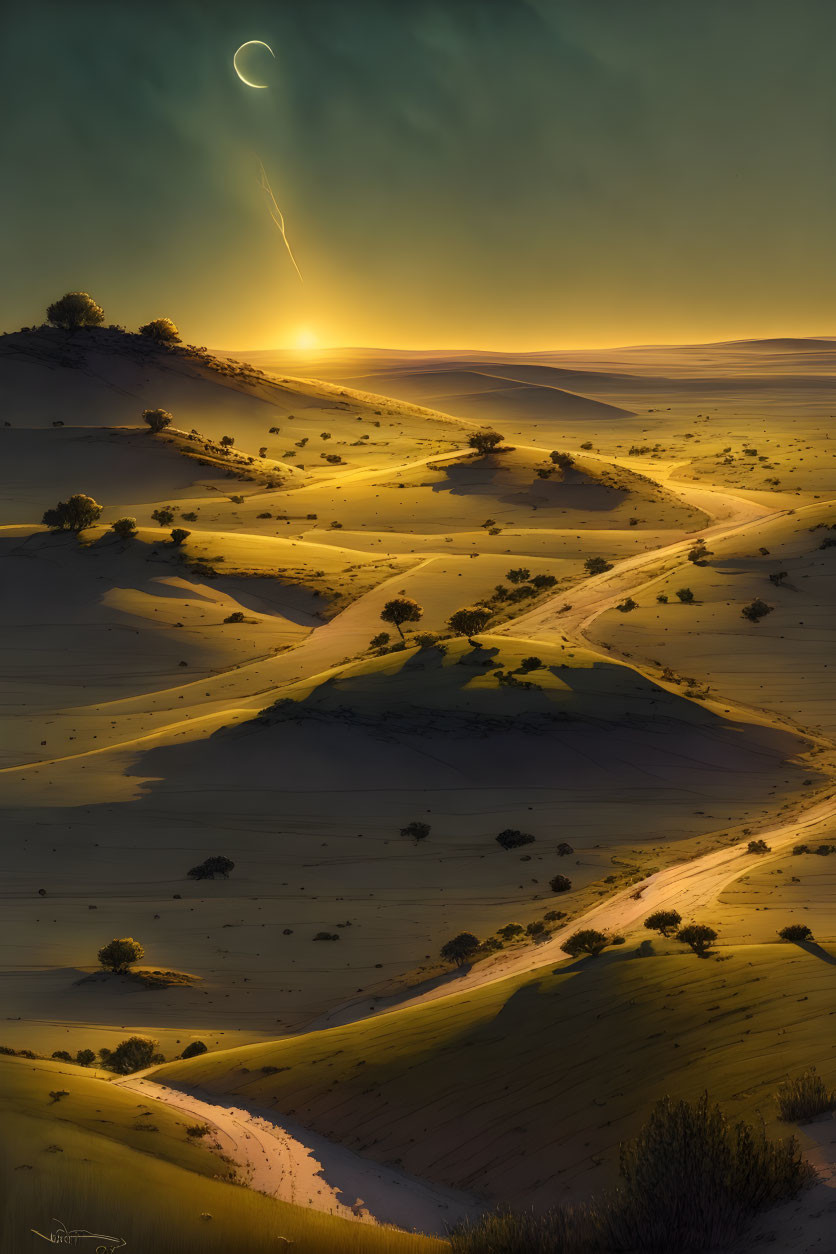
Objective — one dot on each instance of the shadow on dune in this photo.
(510, 485)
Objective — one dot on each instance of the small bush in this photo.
(179, 535)
(698, 936)
(164, 515)
(803, 1097)
(194, 1049)
(756, 610)
(560, 884)
(530, 664)
(416, 831)
(210, 867)
(758, 846)
(564, 848)
(597, 565)
(685, 595)
(197, 1130)
(470, 620)
(124, 528)
(162, 330)
(237, 616)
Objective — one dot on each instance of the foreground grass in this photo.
(526, 1088)
(80, 1161)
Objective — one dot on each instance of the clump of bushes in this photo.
(804, 1096)
(758, 846)
(512, 839)
(597, 565)
(797, 933)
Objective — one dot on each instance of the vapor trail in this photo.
(277, 215)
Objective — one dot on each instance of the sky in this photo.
(501, 174)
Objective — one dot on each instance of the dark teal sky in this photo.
(517, 173)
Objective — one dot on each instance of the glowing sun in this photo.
(305, 338)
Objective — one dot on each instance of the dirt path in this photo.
(288, 1162)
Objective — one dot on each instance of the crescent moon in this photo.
(249, 44)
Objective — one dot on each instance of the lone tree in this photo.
(157, 419)
(698, 936)
(134, 1054)
(210, 867)
(460, 949)
(120, 954)
(664, 921)
(416, 831)
(74, 311)
(796, 932)
(125, 528)
(179, 535)
(162, 330)
(560, 884)
(587, 941)
(401, 610)
(469, 620)
(485, 441)
(74, 514)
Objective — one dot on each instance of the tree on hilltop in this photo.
(162, 330)
(157, 419)
(74, 311)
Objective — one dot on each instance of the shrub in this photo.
(485, 441)
(162, 330)
(469, 620)
(125, 528)
(698, 936)
(85, 1057)
(237, 616)
(662, 598)
(157, 419)
(460, 949)
(796, 932)
(134, 1054)
(62, 1055)
(227, 441)
(194, 1049)
(543, 581)
(530, 664)
(564, 848)
(197, 1130)
(518, 575)
(75, 310)
(626, 606)
(179, 535)
(803, 1097)
(536, 929)
(327, 936)
(777, 577)
(690, 1181)
(798, 849)
(756, 610)
(597, 565)
(563, 460)
(510, 930)
(511, 839)
(164, 515)
(685, 595)
(378, 641)
(587, 941)
(663, 921)
(210, 867)
(560, 884)
(74, 514)
(416, 831)
(758, 846)
(401, 610)
(120, 954)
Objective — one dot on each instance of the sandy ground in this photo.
(294, 1165)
